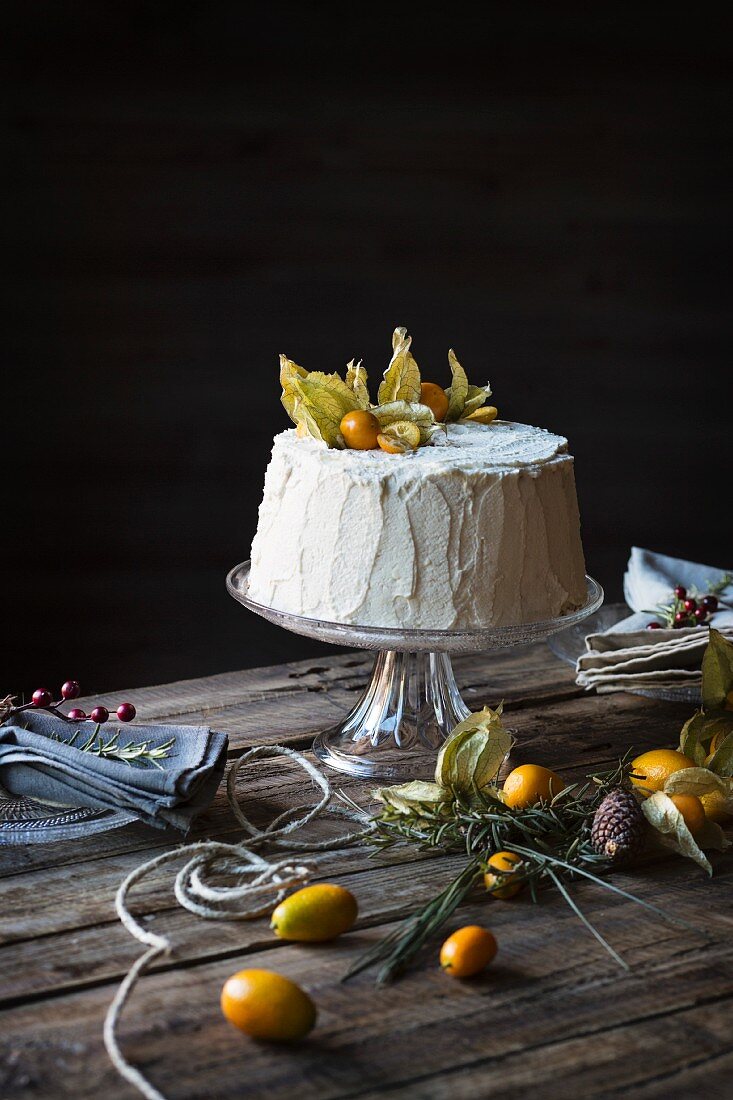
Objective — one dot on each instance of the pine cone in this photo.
(619, 827)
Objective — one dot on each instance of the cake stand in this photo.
(412, 701)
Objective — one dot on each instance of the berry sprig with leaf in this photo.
(408, 411)
(134, 753)
(689, 607)
(42, 699)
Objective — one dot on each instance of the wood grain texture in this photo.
(553, 1013)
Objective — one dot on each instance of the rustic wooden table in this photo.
(552, 1013)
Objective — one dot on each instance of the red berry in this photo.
(710, 603)
(690, 604)
(99, 715)
(700, 614)
(126, 712)
(42, 698)
(70, 690)
(76, 714)
(680, 591)
(654, 626)
(680, 619)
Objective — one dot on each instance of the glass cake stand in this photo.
(412, 701)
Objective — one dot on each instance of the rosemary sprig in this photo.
(553, 840)
(404, 942)
(141, 754)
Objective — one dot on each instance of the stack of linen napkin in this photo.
(629, 656)
(36, 762)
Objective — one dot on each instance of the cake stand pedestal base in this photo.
(410, 706)
(412, 702)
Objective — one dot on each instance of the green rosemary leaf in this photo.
(578, 870)
(579, 913)
(134, 753)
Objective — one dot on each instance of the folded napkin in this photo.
(33, 764)
(628, 657)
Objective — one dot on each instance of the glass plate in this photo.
(412, 701)
(472, 640)
(25, 821)
(568, 645)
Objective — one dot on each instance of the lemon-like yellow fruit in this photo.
(468, 951)
(315, 913)
(652, 769)
(399, 437)
(691, 809)
(436, 399)
(360, 430)
(499, 879)
(266, 1005)
(531, 783)
(485, 415)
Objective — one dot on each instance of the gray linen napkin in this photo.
(34, 765)
(629, 657)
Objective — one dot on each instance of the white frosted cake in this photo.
(478, 529)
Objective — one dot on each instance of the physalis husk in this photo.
(400, 436)
(317, 402)
(401, 380)
(356, 380)
(471, 757)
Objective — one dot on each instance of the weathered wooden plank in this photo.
(522, 672)
(262, 708)
(90, 953)
(54, 956)
(550, 984)
(64, 949)
(74, 902)
(566, 735)
(672, 1056)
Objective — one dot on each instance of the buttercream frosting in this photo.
(479, 529)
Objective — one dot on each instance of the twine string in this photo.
(259, 883)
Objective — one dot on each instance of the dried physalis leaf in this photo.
(697, 781)
(693, 738)
(471, 757)
(406, 798)
(477, 396)
(707, 735)
(485, 415)
(722, 761)
(407, 410)
(661, 812)
(399, 436)
(322, 402)
(356, 380)
(717, 671)
(289, 371)
(401, 380)
(458, 389)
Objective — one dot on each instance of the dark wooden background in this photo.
(192, 188)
